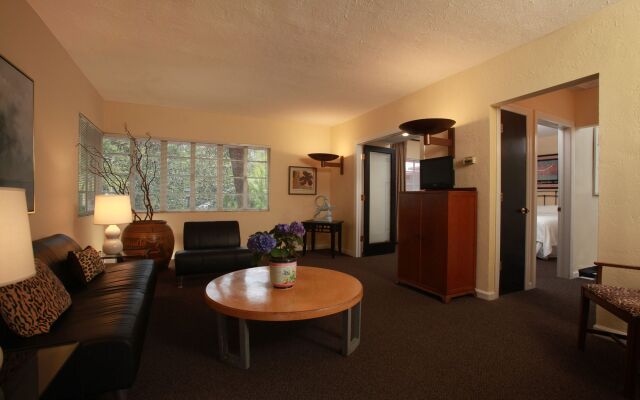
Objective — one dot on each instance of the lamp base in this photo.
(112, 244)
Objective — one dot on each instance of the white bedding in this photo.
(547, 231)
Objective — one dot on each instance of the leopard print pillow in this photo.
(87, 264)
(30, 307)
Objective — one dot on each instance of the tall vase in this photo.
(283, 272)
(151, 238)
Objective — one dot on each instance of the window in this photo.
(188, 174)
(412, 175)
(89, 140)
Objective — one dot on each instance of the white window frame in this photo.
(219, 177)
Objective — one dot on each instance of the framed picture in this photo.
(547, 171)
(303, 180)
(16, 130)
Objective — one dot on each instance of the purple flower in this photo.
(297, 228)
(261, 242)
(282, 229)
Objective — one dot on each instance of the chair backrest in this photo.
(211, 235)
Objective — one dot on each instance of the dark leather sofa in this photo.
(211, 246)
(108, 319)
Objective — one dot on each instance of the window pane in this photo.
(178, 192)
(205, 167)
(111, 145)
(178, 149)
(258, 193)
(257, 170)
(206, 150)
(232, 185)
(257, 155)
(233, 153)
(205, 193)
(234, 168)
(232, 201)
(179, 166)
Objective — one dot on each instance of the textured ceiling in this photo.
(318, 61)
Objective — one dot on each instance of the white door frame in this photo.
(566, 161)
(359, 185)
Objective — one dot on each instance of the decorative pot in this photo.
(283, 272)
(151, 238)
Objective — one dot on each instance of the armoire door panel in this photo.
(409, 237)
(434, 240)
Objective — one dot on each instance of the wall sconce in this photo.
(324, 159)
(431, 126)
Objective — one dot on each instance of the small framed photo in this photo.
(303, 180)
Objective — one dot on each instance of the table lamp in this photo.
(16, 263)
(111, 210)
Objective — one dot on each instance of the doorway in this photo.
(379, 201)
(558, 144)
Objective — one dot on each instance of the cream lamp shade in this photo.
(16, 263)
(111, 210)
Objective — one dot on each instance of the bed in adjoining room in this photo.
(547, 231)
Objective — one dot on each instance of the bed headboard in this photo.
(547, 197)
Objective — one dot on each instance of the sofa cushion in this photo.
(53, 251)
(212, 260)
(85, 264)
(30, 307)
(211, 234)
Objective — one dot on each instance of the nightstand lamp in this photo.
(111, 210)
(16, 263)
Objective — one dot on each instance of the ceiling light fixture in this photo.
(324, 159)
(405, 134)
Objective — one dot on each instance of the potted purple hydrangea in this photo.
(280, 246)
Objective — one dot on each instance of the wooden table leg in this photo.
(631, 367)
(340, 239)
(242, 359)
(313, 240)
(351, 329)
(333, 243)
(304, 243)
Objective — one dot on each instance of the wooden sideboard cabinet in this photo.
(437, 241)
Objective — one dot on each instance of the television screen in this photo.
(437, 173)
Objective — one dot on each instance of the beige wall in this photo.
(61, 92)
(547, 144)
(604, 43)
(289, 142)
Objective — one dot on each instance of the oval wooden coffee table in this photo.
(248, 295)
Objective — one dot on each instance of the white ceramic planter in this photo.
(283, 273)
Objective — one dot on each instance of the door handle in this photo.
(524, 210)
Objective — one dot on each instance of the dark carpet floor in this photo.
(521, 346)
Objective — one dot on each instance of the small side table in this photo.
(26, 374)
(123, 256)
(314, 227)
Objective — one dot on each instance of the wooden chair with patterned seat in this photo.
(623, 303)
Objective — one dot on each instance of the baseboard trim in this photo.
(484, 295)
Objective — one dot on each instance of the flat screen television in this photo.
(437, 173)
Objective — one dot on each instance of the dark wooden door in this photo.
(434, 224)
(409, 237)
(379, 201)
(514, 200)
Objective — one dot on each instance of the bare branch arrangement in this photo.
(142, 169)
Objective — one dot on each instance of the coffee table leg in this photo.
(242, 359)
(351, 329)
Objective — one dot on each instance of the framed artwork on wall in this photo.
(547, 171)
(303, 180)
(16, 130)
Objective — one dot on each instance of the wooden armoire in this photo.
(437, 241)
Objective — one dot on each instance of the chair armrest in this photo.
(599, 266)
